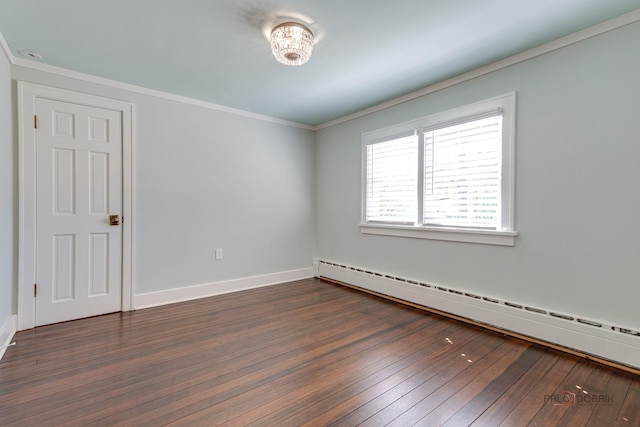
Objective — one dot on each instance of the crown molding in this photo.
(63, 72)
(6, 50)
(587, 33)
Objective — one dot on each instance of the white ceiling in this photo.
(366, 52)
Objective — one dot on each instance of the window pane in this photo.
(462, 172)
(392, 180)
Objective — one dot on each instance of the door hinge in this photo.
(35, 122)
(35, 290)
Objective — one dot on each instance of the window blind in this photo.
(462, 174)
(392, 180)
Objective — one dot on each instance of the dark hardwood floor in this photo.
(301, 353)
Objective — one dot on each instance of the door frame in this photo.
(27, 95)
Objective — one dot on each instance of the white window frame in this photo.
(505, 234)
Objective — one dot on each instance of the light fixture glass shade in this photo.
(291, 43)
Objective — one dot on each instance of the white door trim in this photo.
(27, 94)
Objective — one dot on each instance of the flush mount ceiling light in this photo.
(291, 43)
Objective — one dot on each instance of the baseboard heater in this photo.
(593, 339)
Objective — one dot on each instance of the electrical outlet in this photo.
(219, 253)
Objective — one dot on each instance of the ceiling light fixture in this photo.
(291, 43)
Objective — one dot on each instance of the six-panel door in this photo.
(78, 186)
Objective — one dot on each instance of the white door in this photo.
(78, 187)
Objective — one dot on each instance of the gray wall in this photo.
(8, 197)
(206, 179)
(577, 187)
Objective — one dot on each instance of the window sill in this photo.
(501, 238)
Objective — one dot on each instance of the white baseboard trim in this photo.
(170, 296)
(7, 331)
(614, 343)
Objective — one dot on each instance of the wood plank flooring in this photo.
(302, 353)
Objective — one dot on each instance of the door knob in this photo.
(114, 219)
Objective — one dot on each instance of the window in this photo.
(448, 176)
(392, 180)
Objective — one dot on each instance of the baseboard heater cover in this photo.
(588, 337)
